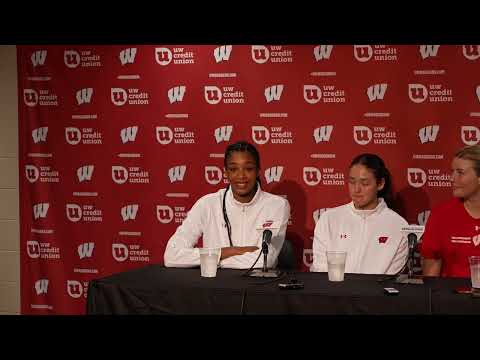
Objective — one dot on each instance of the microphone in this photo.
(266, 240)
(267, 236)
(410, 278)
(412, 242)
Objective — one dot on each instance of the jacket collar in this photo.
(254, 200)
(364, 213)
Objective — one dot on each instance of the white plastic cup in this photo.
(209, 261)
(336, 265)
(474, 262)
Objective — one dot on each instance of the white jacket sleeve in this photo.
(320, 239)
(180, 251)
(399, 258)
(246, 260)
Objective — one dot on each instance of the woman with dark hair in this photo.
(233, 219)
(366, 228)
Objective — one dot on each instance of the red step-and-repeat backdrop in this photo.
(118, 142)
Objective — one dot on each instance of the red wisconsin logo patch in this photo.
(267, 223)
(382, 239)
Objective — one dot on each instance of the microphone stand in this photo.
(265, 253)
(410, 278)
(265, 273)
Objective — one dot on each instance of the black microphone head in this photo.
(412, 240)
(267, 236)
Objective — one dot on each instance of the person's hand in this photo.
(431, 267)
(236, 250)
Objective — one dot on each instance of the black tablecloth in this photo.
(158, 290)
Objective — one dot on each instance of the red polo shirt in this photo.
(452, 235)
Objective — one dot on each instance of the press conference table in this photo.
(155, 289)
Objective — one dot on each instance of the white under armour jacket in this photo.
(248, 221)
(372, 239)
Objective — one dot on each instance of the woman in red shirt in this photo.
(452, 232)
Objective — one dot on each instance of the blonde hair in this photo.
(471, 153)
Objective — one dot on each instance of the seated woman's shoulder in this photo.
(277, 199)
(211, 196)
(394, 216)
(333, 211)
(339, 207)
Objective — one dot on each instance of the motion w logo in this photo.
(40, 134)
(176, 93)
(322, 133)
(40, 210)
(376, 92)
(273, 174)
(84, 173)
(38, 57)
(177, 173)
(222, 53)
(223, 133)
(322, 52)
(273, 93)
(129, 212)
(84, 96)
(128, 134)
(428, 133)
(85, 250)
(428, 50)
(41, 286)
(127, 56)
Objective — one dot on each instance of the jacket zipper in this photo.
(243, 226)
